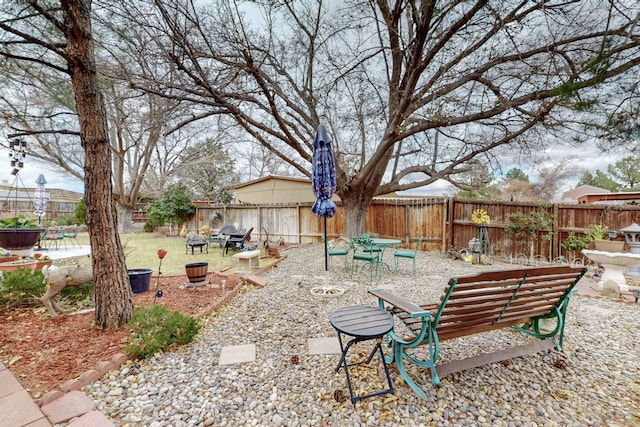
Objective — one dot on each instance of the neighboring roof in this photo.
(576, 193)
(266, 178)
(57, 195)
(592, 198)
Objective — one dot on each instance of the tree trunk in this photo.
(125, 219)
(355, 219)
(358, 195)
(113, 296)
(356, 205)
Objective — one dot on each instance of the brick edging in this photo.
(85, 378)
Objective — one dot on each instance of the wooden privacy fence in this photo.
(444, 222)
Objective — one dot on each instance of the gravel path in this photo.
(594, 382)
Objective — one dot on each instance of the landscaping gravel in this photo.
(594, 382)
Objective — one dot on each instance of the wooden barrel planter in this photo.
(197, 271)
(140, 279)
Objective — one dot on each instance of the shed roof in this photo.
(271, 177)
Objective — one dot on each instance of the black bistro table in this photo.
(362, 323)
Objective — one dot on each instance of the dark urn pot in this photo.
(140, 279)
(13, 239)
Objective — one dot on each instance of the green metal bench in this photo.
(530, 300)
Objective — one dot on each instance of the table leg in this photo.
(343, 363)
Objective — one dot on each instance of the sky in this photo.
(30, 172)
(589, 159)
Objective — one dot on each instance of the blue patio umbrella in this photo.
(323, 181)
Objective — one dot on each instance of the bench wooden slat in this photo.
(503, 299)
(515, 274)
(469, 322)
(490, 318)
(526, 286)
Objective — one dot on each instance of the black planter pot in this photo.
(140, 279)
(19, 238)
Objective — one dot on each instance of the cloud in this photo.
(30, 172)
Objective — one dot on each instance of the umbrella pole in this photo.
(326, 249)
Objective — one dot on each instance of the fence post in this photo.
(556, 233)
(447, 227)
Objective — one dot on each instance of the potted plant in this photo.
(600, 235)
(19, 234)
(197, 271)
(140, 279)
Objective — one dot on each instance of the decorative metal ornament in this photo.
(480, 216)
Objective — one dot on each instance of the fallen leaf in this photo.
(14, 359)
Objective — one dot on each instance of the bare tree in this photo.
(142, 128)
(209, 172)
(411, 92)
(544, 188)
(57, 35)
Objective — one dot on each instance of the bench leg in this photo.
(399, 355)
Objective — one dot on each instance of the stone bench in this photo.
(247, 260)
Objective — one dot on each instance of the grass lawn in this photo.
(141, 249)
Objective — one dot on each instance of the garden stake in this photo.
(158, 294)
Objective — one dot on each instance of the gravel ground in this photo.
(594, 382)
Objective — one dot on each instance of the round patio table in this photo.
(362, 323)
(383, 244)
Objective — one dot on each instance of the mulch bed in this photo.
(43, 351)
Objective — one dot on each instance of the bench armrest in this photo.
(399, 303)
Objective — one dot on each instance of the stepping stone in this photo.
(92, 419)
(323, 346)
(71, 405)
(9, 383)
(233, 354)
(19, 409)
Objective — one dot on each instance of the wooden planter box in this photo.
(197, 271)
(608, 245)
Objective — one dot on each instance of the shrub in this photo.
(80, 213)
(156, 328)
(21, 288)
(575, 243)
